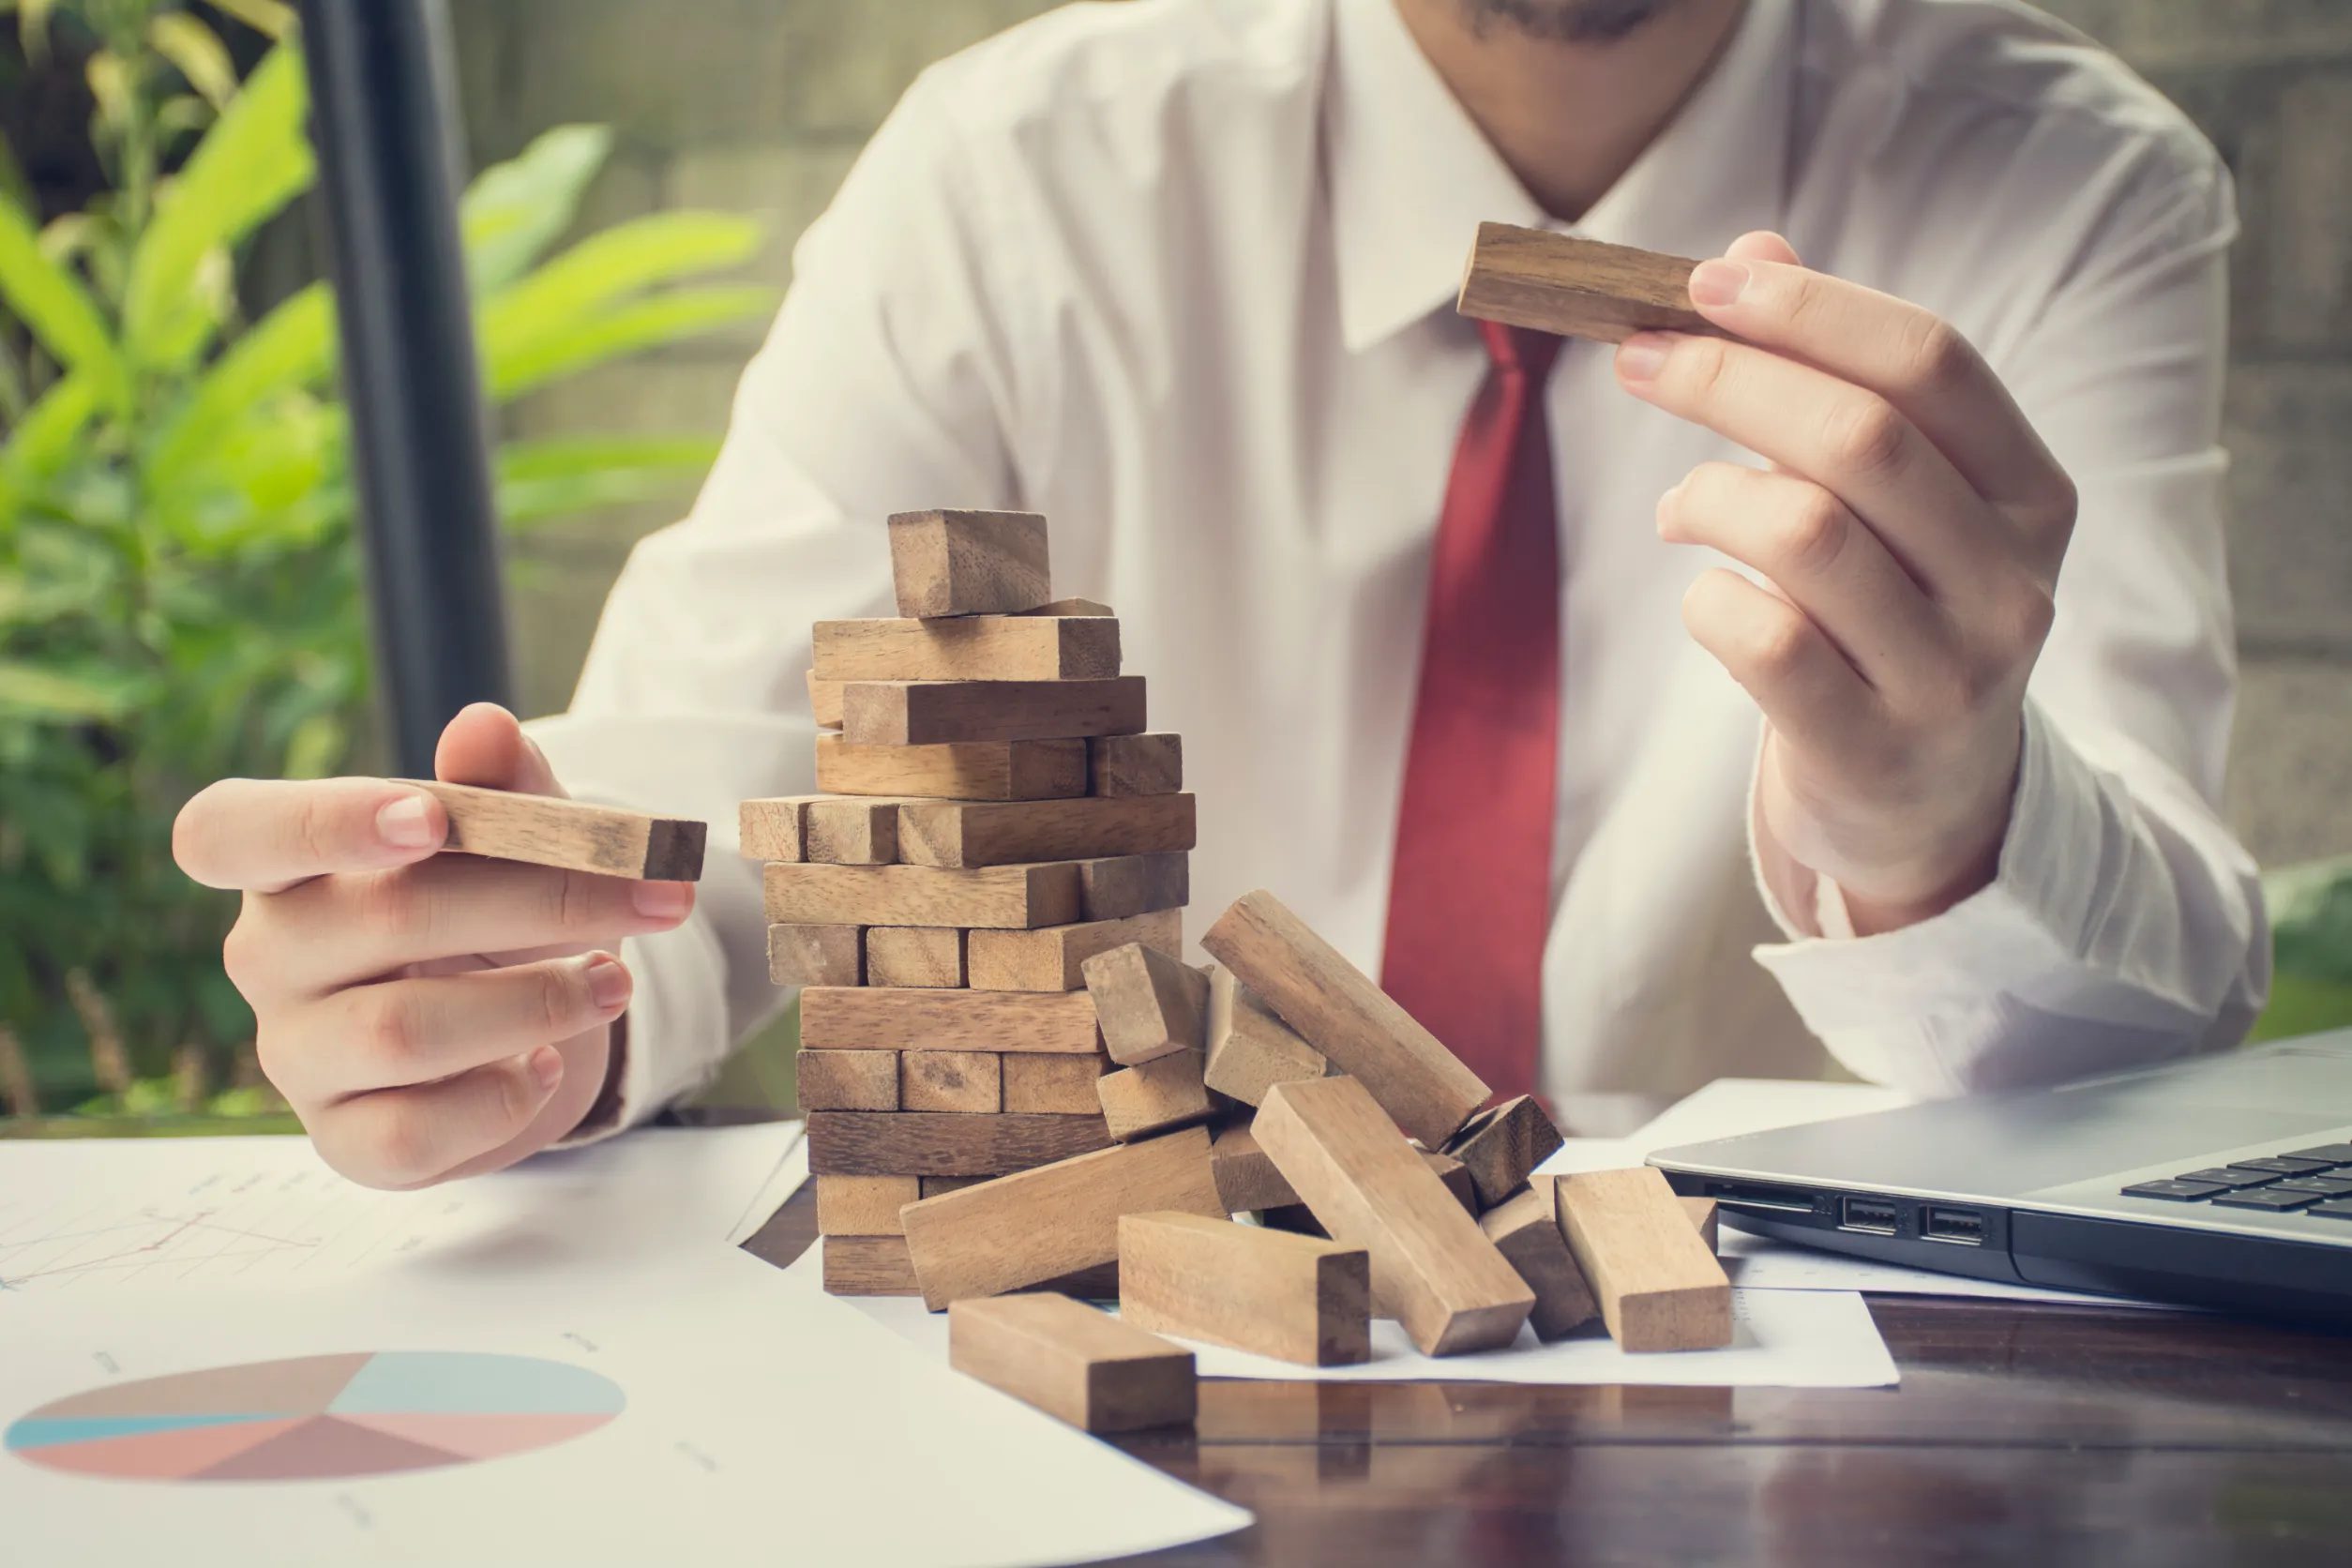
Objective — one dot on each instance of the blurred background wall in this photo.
(761, 105)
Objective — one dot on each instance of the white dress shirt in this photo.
(1179, 274)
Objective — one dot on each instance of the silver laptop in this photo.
(2224, 1181)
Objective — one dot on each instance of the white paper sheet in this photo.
(763, 1424)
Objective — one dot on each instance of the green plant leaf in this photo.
(48, 694)
(543, 479)
(293, 348)
(44, 440)
(2311, 919)
(54, 307)
(625, 329)
(196, 50)
(607, 268)
(514, 210)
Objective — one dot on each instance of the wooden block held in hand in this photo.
(847, 1079)
(1132, 884)
(1155, 1096)
(1502, 1145)
(1579, 288)
(825, 701)
(773, 829)
(969, 563)
(1702, 1214)
(920, 1019)
(868, 1266)
(850, 830)
(1245, 1178)
(1073, 1362)
(967, 1082)
(1029, 647)
(1041, 1224)
(1053, 1085)
(1659, 1285)
(954, 770)
(1150, 1005)
(1123, 765)
(1432, 1268)
(1341, 1012)
(923, 1143)
(816, 955)
(927, 713)
(1291, 1297)
(1525, 1228)
(571, 835)
(1250, 1051)
(1014, 897)
(917, 956)
(864, 1205)
(1005, 833)
(1049, 959)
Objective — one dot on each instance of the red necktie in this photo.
(1471, 899)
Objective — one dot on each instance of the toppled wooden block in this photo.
(1149, 1005)
(816, 955)
(1579, 288)
(1457, 1178)
(1123, 765)
(1043, 1223)
(1702, 1214)
(1525, 1229)
(1030, 647)
(773, 829)
(825, 701)
(1250, 1051)
(1341, 1012)
(1282, 1211)
(927, 713)
(928, 957)
(1432, 1268)
(1501, 1145)
(864, 1205)
(1289, 1297)
(1005, 833)
(1014, 897)
(908, 1143)
(847, 1079)
(1659, 1285)
(1154, 1098)
(1053, 1085)
(1049, 959)
(955, 769)
(571, 835)
(850, 830)
(868, 1266)
(1122, 887)
(969, 563)
(1247, 1180)
(1073, 1362)
(965, 1082)
(874, 1019)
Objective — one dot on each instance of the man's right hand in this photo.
(426, 1015)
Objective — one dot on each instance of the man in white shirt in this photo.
(1837, 769)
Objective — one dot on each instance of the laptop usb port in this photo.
(1868, 1213)
(1964, 1226)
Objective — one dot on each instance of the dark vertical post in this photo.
(383, 113)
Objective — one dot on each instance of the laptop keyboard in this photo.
(2313, 1181)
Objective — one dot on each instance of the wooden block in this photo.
(816, 955)
(1030, 647)
(1501, 1145)
(773, 829)
(933, 1185)
(969, 563)
(825, 701)
(864, 1205)
(1044, 1085)
(1702, 1216)
(1457, 1178)
(967, 1082)
(574, 836)
(869, 1266)
(1247, 1180)
(1341, 1012)
(1525, 1229)
(1659, 1285)
(1043, 1223)
(997, 897)
(1149, 1005)
(1284, 1212)
(1579, 288)
(1005, 833)
(920, 956)
(922, 1143)
(1049, 959)
(851, 831)
(1432, 1268)
(916, 1020)
(1128, 885)
(1293, 1298)
(1250, 1051)
(847, 1079)
(1068, 607)
(1160, 1094)
(1123, 765)
(925, 712)
(1073, 1362)
(955, 770)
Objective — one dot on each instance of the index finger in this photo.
(263, 834)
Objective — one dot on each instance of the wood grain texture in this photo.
(825, 701)
(1132, 884)
(850, 830)
(1069, 606)
(569, 835)
(1295, 1297)
(969, 563)
(1247, 1180)
(1013, 896)
(933, 1185)
(1123, 765)
(1702, 1216)
(1286, 1212)
(1250, 1051)
(955, 770)
(1049, 959)
(1149, 1005)
(1030, 647)
(869, 1266)
(1073, 1362)
(964, 1082)
(864, 1205)
(1502, 1144)
(923, 1143)
(1157, 1097)
(1432, 1268)
(878, 1019)
(816, 955)
(847, 1079)
(1047, 1222)
(1341, 1012)
(1053, 1085)
(929, 958)
(1005, 833)
(1457, 1178)
(1525, 1229)
(928, 712)
(1579, 288)
(1659, 1285)
(773, 829)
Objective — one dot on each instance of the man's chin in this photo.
(1565, 20)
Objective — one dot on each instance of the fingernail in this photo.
(608, 982)
(1640, 357)
(1718, 282)
(546, 1069)
(661, 900)
(404, 824)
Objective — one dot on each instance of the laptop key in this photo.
(2325, 1186)
(2332, 1210)
(2225, 1176)
(2283, 1164)
(2181, 1191)
(2270, 1199)
(2334, 1153)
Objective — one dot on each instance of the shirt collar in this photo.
(1411, 177)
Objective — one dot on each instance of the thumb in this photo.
(485, 745)
(1763, 245)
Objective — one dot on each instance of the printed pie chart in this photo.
(318, 1417)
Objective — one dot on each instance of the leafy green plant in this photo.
(179, 598)
(2310, 949)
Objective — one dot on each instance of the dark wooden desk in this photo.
(2020, 1434)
